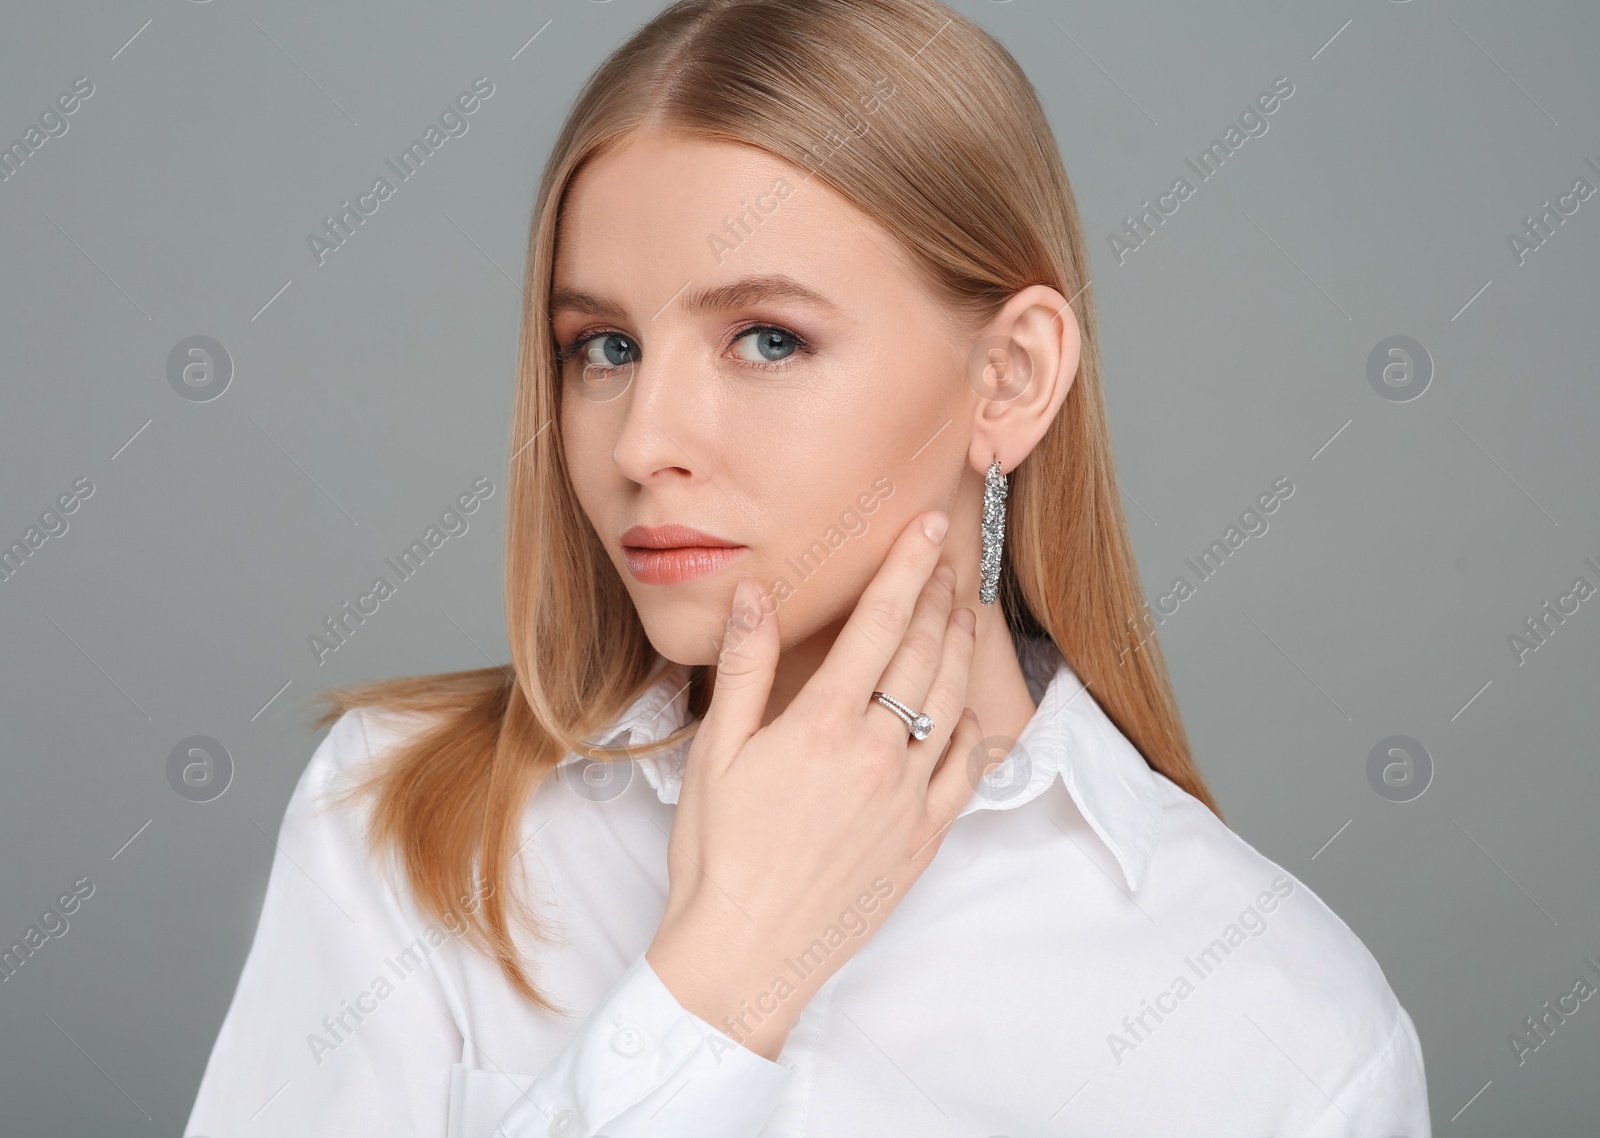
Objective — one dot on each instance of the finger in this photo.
(745, 668)
(948, 692)
(916, 661)
(849, 674)
(956, 780)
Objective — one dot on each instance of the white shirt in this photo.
(1094, 953)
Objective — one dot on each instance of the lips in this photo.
(672, 554)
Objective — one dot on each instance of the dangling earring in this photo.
(994, 531)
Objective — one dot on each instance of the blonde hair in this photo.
(908, 111)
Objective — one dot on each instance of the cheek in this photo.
(825, 545)
(589, 427)
(587, 453)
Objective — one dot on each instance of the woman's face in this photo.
(753, 359)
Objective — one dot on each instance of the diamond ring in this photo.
(920, 725)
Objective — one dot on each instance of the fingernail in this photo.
(966, 619)
(935, 527)
(742, 597)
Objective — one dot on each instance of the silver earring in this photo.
(994, 531)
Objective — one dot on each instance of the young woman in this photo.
(835, 786)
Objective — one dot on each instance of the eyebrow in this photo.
(718, 298)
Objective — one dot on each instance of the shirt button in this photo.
(628, 1040)
(565, 1122)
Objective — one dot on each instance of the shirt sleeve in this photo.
(1389, 1097)
(642, 1064)
(341, 1024)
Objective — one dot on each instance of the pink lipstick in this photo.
(672, 554)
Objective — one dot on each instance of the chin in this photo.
(690, 629)
(684, 622)
(689, 634)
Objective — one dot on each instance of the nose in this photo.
(657, 422)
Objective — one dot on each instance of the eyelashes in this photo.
(570, 350)
(574, 348)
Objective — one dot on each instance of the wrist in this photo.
(729, 979)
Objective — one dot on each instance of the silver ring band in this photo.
(920, 725)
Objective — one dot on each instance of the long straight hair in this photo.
(925, 123)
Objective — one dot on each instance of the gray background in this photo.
(374, 389)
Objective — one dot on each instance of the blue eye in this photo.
(774, 345)
(603, 350)
(760, 345)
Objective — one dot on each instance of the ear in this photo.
(1022, 365)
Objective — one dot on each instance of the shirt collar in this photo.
(1069, 735)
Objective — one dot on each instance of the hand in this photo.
(827, 815)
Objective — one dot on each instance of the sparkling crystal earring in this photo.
(994, 530)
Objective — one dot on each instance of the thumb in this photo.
(745, 667)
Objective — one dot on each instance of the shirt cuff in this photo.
(642, 1064)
